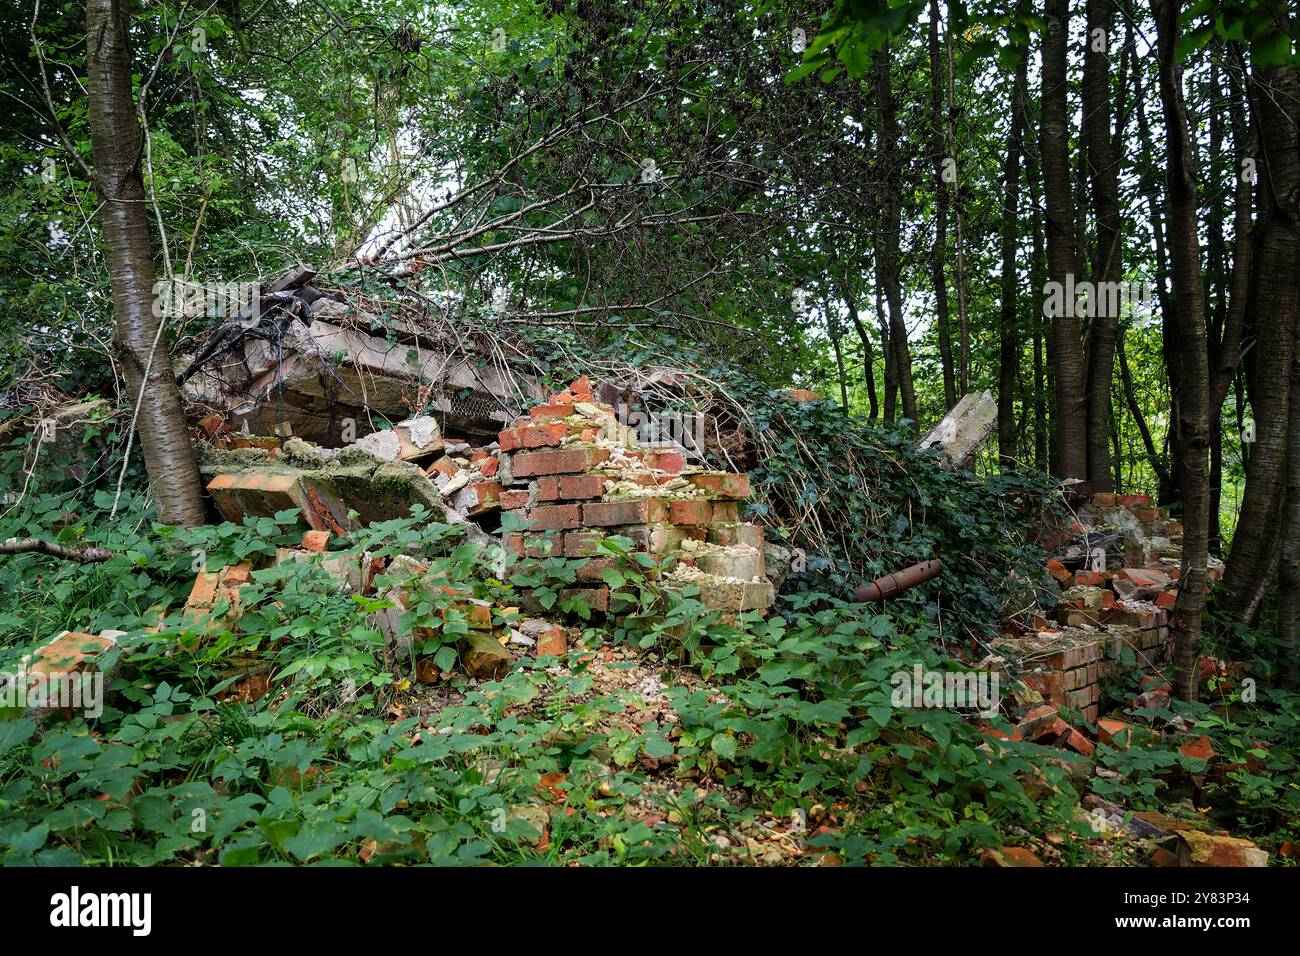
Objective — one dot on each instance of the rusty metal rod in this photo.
(892, 585)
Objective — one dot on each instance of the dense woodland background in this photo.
(866, 199)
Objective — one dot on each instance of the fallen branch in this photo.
(36, 545)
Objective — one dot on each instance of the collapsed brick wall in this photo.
(1119, 570)
(577, 476)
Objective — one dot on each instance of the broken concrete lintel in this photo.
(295, 278)
(320, 374)
(964, 428)
(326, 485)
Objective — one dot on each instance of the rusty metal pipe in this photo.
(892, 585)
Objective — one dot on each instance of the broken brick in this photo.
(581, 486)
(690, 511)
(542, 412)
(315, 540)
(633, 511)
(721, 484)
(1115, 733)
(512, 499)
(1059, 571)
(597, 599)
(1198, 749)
(553, 642)
(557, 461)
(555, 517)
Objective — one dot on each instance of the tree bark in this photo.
(1069, 454)
(1193, 424)
(1225, 351)
(1170, 491)
(1037, 275)
(938, 263)
(1288, 569)
(887, 237)
(1008, 333)
(1272, 311)
(116, 139)
(1107, 265)
(868, 353)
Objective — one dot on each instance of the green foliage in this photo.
(326, 765)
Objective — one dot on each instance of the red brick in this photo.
(582, 544)
(514, 498)
(204, 592)
(1167, 600)
(1079, 743)
(671, 462)
(721, 484)
(1104, 499)
(443, 466)
(555, 517)
(548, 489)
(1049, 684)
(565, 461)
(603, 514)
(725, 512)
(542, 412)
(547, 435)
(479, 497)
(1070, 657)
(1201, 749)
(1093, 579)
(316, 540)
(1058, 571)
(237, 574)
(533, 545)
(552, 643)
(488, 466)
(1041, 716)
(582, 486)
(690, 511)
(595, 598)
(592, 570)
(1115, 733)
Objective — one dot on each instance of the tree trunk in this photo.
(833, 328)
(1288, 570)
(116, 139)
(887, 237)
(1069, 453)
(1272, 307)
(1107, 266)
(1037, 276)
(1157, 465)
(1193, 425)
(1008, 333)
(868, 353)
(1226, 351)
(1170, 491)
(963, 324)
(938, 264)
(890, 376)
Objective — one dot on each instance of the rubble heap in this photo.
(1119, 573)
(577, 476)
